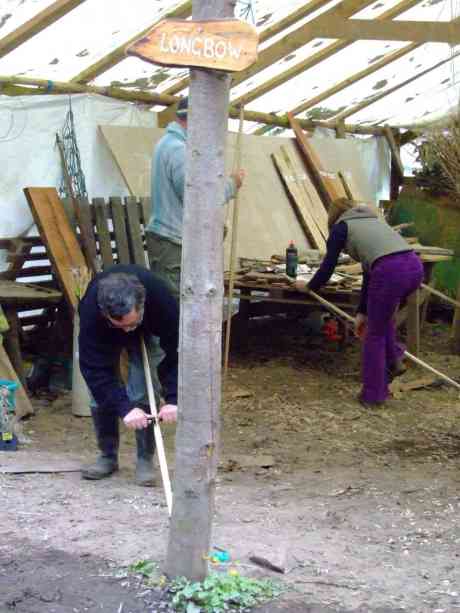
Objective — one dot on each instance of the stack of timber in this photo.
(311, 188)
(347, 277)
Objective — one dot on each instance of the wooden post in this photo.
(456, 326)
(413, 322)
(395, 178)
(197, 436)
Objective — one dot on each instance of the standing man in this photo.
(164, 230)
(120, 307)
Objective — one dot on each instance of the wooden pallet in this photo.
(117, 234)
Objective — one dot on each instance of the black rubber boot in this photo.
(145, 450)
(108, 438)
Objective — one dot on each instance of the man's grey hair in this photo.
(118, 293)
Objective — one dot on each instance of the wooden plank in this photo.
(87, 232)
(120, 230)
(349, 185)
(271, 31)
(413, 323)
(316, 205)
(146, 205)
(370, 29)
(456, 326)
(285, 45)
(315, 58)
(35, 271)
(299, 201)
(352, 110)
(328, 184)
(134, 232)
(395, 156)
(13, 293)
(218, 44)
(354, 78)
(103, 231)
(36, 24)
(62, 245)
(18, 255)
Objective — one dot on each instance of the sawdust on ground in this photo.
(359, 507)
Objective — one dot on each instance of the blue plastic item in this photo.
(8, 440)
(220, 556)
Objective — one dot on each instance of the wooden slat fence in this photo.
(117, 227)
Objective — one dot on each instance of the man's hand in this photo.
(300, 285)
(136, 419)
(360, 325)
(238, 177)
(168, 413)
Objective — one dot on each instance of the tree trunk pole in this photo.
(197, 436)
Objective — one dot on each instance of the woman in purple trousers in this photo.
(391, 271)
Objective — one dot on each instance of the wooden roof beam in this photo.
(316, 58)
(286, 45)
(375, 66)
(16, 85)
(372, 100)
(182, 11)
(36, 24)
(368, 29)
(357, 76)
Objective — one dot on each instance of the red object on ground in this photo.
(331, 330)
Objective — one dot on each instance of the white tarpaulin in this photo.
(30, 158)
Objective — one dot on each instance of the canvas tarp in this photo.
(29, 156)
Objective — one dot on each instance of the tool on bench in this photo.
(156, 429)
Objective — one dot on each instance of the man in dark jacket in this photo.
(120, 307)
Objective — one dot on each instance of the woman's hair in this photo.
(337, 208)
(119, 293)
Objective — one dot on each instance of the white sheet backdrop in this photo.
(29, 157)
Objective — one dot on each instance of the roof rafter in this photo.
(19, 85)
(357, 76)
(316, 58)
(182, 11)
(370, 29)
(36, 24)
(372, 100)
(280, 48)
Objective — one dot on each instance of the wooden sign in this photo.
(229, 45)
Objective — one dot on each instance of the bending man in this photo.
(120, 306)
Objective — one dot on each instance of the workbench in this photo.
(259, 298)
(16, 297)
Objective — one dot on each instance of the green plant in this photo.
(146, 568)
(220, 593)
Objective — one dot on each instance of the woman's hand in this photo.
(360, 325)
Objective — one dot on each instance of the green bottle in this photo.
(292, 259)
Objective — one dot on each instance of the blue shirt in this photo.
(168, 184)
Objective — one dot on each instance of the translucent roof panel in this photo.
(13, 13)
(83, 36)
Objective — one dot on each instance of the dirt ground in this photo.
(360, 507)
